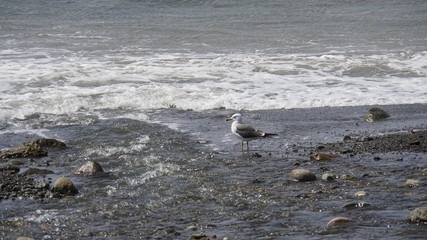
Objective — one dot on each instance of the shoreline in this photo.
(374, 160)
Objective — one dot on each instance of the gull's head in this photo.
(236, 118)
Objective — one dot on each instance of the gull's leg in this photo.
(247, 146)
(242, 146)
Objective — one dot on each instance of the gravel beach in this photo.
(367, 174)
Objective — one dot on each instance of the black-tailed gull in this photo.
(245, 132)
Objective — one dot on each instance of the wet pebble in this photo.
(357, 205)
(302, 175)
(328, 177)
(323, 156)
(339, 222)
(191, 228)
(418, 215)
(15, 162)
(412, 183)
(360, 193)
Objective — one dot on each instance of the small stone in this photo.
(64, 187)
(360, 193)
(24, 238)
(302, 175)
(89, 168)
(201, 236)
(412, 183)
(328, 177)
(15, 162)
(191, 228)
(418, 215)
(375, 114)
(323, 156)
(339, 222)
(364, 139)
(357, 205)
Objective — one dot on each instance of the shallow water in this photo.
(183, 168)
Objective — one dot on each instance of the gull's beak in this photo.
(229, 119)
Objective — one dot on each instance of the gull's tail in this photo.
(269, 134)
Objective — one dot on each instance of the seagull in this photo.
(245, 132)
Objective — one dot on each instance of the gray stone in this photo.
(89, 168)
(302, 175)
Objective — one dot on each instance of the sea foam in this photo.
(251, 81)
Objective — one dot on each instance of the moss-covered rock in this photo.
(64, 187)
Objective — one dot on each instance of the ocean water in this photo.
(64, 57)
(143, 87)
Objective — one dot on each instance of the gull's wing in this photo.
(247, 131)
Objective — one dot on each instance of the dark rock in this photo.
(29, 149)
(339, 222)
(347, 138)
(89, 168)
(9, 168)
(418, 215)
(64, 187)
(32, 149)
(201, 236)
(50, 143)
(302, 175)
(36, 171)
(376, 114)
(357, 205)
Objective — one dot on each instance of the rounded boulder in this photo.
(64, 187)
(418, 215)
(375, 114)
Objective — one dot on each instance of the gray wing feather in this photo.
(247, 131)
